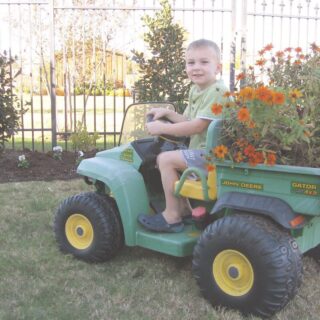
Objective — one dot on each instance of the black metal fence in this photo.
(75, 58)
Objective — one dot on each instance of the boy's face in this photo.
(202, 66)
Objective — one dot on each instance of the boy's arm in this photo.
(179, 129)
(171, 115)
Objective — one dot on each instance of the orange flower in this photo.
(252, 161)
(210, 167)
(271, 159)
(241, 142)
(243, 114)
(269, 99)
(297, 62)
(256, 135)
(259, 157)
(255, 158)
(228, 104)
(279, 54)
(278, 98)
(240, 76)
(238, 157)
(295, 94)
(251, 124)
(261, 62)
(261, 52)
(307, 133)
(216, 108)
(314, 47)
(298, 50)
(264, 94)
(288, 49)
(268, 47)
(249, 150)
(246, 93)
(220, 151)
(228, 94)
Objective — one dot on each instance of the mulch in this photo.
(43, 167)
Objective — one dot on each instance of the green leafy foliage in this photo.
(262, 126)
(162, 75)
(82, 140)
(293, 70)
(23, 162)
(9, 104)
(100, 88)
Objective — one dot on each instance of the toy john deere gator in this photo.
(254, 222)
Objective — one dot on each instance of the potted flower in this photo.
(275, 117)
(270, 137)
(262, 126)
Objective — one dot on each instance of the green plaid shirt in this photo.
(200, 103)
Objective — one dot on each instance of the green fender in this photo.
(127, 187)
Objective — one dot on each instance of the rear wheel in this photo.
(248, 263)
(87, 227)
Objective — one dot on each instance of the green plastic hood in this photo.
(125, 153)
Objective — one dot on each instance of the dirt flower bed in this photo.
(42, 166)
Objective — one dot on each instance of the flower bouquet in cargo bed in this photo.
(275, 117)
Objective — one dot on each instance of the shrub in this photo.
(162, 76)
(82, 140)
(9, 103)
(100, 88)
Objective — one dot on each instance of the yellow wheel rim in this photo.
(79, 231)
(233, 273)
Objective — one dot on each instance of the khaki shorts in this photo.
(195, 158)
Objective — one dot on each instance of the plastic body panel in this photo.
(299, 187)
(127, 187)
(310, 236)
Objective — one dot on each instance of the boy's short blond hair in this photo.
(205, 43)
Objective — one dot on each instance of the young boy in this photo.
(202, 67)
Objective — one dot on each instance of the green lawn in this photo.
(47, 145)
(97, 104)
(38, 282)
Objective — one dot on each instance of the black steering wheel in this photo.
(167, 137)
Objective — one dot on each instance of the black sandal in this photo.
(158, 223)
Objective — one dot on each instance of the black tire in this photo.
(248, 263)
(110, 204)
(87, 228)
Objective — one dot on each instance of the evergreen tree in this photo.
(9, 114)
(162, 76)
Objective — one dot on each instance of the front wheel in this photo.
(87, 226)
(248, 263)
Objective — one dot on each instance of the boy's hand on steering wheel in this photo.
(155, 128)
(160, 127)
(159, 113)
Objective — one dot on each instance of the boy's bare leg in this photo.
(169, 164)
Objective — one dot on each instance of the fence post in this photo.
(243, 38)
(233, 45)
(52, 78)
